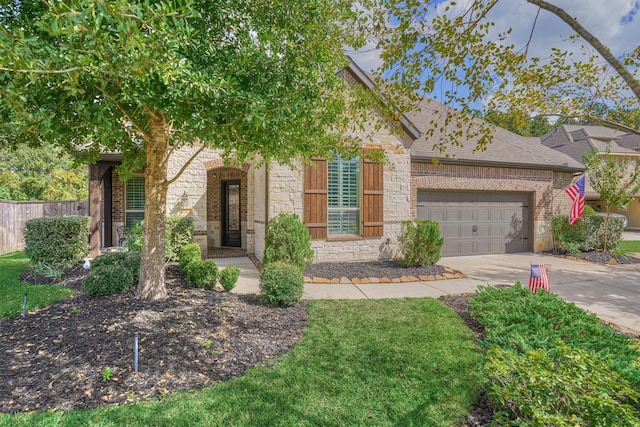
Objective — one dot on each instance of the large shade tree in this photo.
(254, 78)
(423, 44)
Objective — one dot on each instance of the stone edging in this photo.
(448, 274)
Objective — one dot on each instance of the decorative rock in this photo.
(448, 270)
(448, 276)
(374, 280)
(423, 278)
(345, 280)
(405, 279)
(459, 275)
(364, 281)
(395, 280)
(612, 262)
(335, 281)
(320, 280)
(439, 277)
(356, 281)
(385, 280)
(430, 278)
(307, 280)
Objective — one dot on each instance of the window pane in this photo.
(344, 196)
(135, 193)
(133, 218)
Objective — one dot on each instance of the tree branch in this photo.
(186, 164)
(603, 50)
(64, 71)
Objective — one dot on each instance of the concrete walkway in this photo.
(611, 292)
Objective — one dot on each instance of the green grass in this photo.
(12, 290)
(408, 362)
(630, 245)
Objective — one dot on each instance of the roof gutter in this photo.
(467, 162)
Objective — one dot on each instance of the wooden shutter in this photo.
(372, 198)
(315, 198)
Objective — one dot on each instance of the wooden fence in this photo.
(13, 215)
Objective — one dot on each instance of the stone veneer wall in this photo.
(546, 186)
(286, 195)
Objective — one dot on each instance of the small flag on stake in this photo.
(539, 278)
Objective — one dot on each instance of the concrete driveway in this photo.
(611, 292)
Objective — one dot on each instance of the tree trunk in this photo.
(152, 277)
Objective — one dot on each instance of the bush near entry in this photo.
(421, 242)
(281, 283)
(287, 240)
(187, 254)
(228, 277)
(202, 273)
(57, 240)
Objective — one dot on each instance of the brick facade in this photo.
(546, 187)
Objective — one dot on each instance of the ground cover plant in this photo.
(12, 290)
(373, 362)
(531, 336)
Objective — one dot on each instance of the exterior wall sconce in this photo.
(184, 204)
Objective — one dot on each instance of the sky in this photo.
(614, 22)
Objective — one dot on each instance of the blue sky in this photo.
(615, 22)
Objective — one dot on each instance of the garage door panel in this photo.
(478, 223)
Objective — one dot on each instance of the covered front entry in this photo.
(476, 223)
(227, 213)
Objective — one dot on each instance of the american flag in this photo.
(576, 193)
(539, 278)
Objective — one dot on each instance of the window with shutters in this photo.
(134, 200)
(343, 194)
(344, 197)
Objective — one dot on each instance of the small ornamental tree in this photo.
(615, 179)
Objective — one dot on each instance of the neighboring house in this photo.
(578, 140)
(497, 201)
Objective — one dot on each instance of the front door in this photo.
(231, 232)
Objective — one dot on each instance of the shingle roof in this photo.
(506, 148)
(576, 140)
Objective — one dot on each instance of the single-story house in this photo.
(577, 140)
(495, 201)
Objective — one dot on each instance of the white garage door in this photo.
(475, 223)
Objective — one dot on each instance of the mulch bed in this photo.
(56, 357)
(598, 257)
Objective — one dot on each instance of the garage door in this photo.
(475, 223)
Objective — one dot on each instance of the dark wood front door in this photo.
(231, 229)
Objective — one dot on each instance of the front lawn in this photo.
(632, 246)
(371, 362)
(12, 290)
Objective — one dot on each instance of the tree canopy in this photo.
(252, 78)
(424, 43)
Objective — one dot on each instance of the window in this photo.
(344, 197)
(134, 201)
(343, 194)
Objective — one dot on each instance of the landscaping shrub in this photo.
(420, 242)
(127, 260)
(569, 387)
(281, 283)
(133, 238)
(58, 240)
(107, 279)
(568, 237)
(287, 240)
(517, 319)
(180, 230)
(229, 277)
(594, 232)
(202, 273)
(587, 234)
(187, 254)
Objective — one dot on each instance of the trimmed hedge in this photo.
(127, 260)
(420, 242)
(202, 273)
(61, 240)
(587, 234)
(228, 277)
(180, 231)
(187, 254)
(107, 280)
(281, 283)
(287, 240)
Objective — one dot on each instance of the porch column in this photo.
(94, 210)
